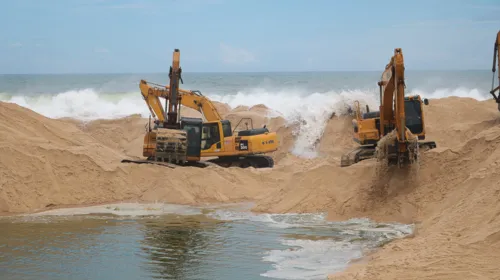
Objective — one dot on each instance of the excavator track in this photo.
(368, 151)
(243, 162)
(167, 164)
(140, 161)
(255, 161)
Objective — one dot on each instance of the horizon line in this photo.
(238, 72)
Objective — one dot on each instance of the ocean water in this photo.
(309, 98)
(305, 98)
(140, 241)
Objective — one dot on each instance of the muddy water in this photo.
(134, 241)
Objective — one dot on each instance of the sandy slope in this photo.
(46, 162)
(455, 202)
(458, 211)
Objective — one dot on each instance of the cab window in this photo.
(413, 112)
(226, 129)
(210, 135)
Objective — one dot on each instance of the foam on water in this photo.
(311, 259)
(310, 110)
(122, 209)
(314, 259)
(273, 220)
(303, 257)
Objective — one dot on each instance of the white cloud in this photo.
(130, 6)
(445, 23)
(233, 55)
(101, 50)
(15, 45)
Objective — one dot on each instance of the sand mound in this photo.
(48, 162)
(457, 207)
(337, 137)
(454, 201)
(125, 135)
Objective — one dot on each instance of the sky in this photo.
(139, 36)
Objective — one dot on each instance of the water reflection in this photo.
(178, 246)
(32, 248)
(171, 246)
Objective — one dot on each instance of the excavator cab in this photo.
(414, 116)
(211, 136)
(193, 128)
(370, 121)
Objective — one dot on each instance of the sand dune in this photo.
(456, 206)
(455, 202)
(46, 163)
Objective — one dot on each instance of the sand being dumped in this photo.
(455, 204)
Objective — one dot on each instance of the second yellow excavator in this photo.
(183, 140)
(496, 59)
(399, 115)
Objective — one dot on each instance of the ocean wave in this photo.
(311, 110)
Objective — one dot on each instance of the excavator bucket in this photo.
(171, 145)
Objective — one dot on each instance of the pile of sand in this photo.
(46, 163)
(455, 202)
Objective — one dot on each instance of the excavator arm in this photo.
(404, 148)
(152, 98)
(392, 106)
(496, 59)
(191, 99)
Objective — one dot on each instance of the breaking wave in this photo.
(311, 110)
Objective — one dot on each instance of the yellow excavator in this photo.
(401, 116)
(496, 56)
(184, 141)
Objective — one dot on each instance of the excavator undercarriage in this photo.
(364, 152)
(255, 161)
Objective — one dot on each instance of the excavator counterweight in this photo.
(184, 141)
(393, 132)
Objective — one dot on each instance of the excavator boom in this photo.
(188, 98)
(173, 98)
(392, 80)
(496, 59)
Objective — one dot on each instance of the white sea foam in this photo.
(311, 110)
